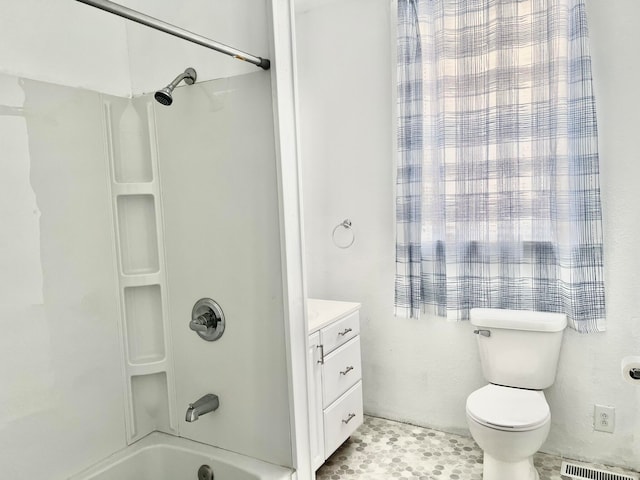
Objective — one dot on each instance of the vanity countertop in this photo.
(323, 312)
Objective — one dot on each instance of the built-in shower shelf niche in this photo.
(138, 234)
(150, 405)
(137, 211)
(143, 316)
(131, 139)
(121, 189)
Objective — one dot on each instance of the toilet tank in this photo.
(523, 347)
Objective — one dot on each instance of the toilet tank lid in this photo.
(518, 319)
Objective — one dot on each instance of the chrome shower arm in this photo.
(189, 76)
(178, 79)
(152, 22)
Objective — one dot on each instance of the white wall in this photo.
(156, 58)
(61, 400)
(60, 360)
(421, 371)
(66, 43)
(302, 6)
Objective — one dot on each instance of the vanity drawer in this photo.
(341, 370)
(340, 332)
(342, 418)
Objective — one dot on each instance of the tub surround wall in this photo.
(144, 322)
(61, 351)
(222, 240)
(421, 371)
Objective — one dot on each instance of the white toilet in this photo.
(510, 418)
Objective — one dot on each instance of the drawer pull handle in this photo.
(347, 370)
(321, 361)
(349, 418)
(345, 331)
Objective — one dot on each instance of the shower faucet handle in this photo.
(198, 325)
(207, 319)
(203, 322)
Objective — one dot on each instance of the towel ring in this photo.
(346, 224)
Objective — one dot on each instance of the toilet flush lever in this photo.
(484, 333)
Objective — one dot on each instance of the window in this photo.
(498, 201)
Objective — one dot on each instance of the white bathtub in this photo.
(164, 457)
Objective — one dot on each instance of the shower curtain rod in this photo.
(138, 17)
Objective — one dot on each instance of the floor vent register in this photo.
(576, 471)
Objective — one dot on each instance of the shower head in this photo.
(165, 97)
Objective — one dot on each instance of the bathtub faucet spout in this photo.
(206, 404)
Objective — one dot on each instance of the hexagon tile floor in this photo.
(383, 449)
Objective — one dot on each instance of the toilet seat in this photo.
(508, 408)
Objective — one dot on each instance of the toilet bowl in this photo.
(510, 418)
(510, 425)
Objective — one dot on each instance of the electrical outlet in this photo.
(604, 418)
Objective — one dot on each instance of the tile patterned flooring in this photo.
(383, 449)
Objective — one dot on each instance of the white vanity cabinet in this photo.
(335, 375)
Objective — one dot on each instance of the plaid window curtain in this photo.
(498, 197)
